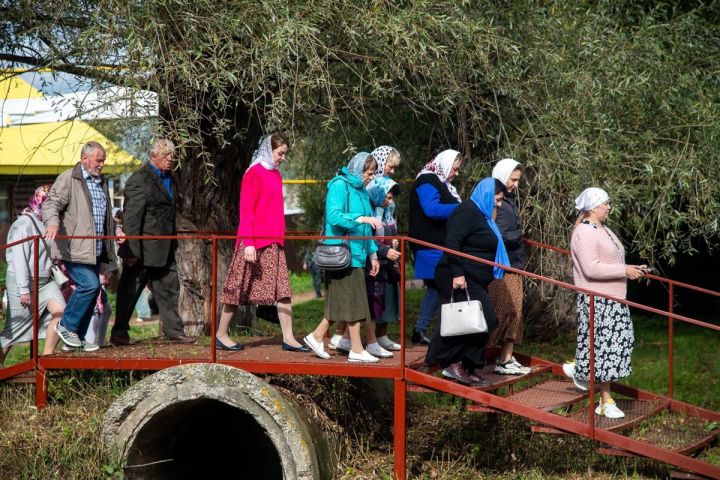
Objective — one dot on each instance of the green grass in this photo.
(301, 282)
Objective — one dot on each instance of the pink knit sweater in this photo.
(262, 211)
(598, 260)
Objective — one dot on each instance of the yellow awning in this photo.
(13, 87)
(51, 148)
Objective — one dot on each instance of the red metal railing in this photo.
(401, 374)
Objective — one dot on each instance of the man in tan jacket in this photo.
(79, 205)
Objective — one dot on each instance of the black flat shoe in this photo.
(290, 348)
(235, 348)
(419, 338)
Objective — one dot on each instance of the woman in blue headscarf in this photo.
(383, 289)
(348, 212)
(471, 230)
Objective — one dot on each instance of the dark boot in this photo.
(419, 338)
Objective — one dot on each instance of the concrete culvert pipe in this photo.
(213, 421)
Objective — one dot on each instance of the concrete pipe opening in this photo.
(213, 421)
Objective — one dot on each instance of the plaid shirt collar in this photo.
(99, 205)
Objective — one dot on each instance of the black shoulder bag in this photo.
(333, 257)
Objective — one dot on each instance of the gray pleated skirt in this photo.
(347, 296)
(18, 328)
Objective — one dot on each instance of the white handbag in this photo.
(462, 318)
(57, 274)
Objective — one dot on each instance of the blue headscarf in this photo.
(484, 198)
(357, 164)
(378, 190)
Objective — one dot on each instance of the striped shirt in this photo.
(99, 205)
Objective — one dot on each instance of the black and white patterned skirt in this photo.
(614, 340)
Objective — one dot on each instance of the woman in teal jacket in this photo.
(348, 212)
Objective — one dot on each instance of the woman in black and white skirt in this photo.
(599, 265)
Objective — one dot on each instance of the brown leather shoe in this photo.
(476, 380)
(182, 339)
(120, 341)
(457, 372)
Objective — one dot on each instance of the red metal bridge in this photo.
(545, 396)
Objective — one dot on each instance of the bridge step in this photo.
(497, 381)
(549, 395)
(636, 411)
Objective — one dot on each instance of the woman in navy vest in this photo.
(432, 200)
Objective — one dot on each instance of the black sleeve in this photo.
(134, 212)
(460, 225)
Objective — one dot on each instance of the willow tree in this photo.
(226, 72)
(618, 94)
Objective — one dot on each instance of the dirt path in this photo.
(302, 297)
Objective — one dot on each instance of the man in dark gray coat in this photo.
(149, 209)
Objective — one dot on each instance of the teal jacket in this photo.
(340, 217)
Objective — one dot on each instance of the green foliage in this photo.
(621, 95)
(626, 105)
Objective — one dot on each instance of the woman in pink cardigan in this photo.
(599, 265)
(258, 272)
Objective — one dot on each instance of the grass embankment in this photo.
(444, 441)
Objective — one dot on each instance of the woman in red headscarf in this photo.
(20, 268)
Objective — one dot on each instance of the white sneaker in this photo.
(569, 370)
(333, 343)
(363, 357)
(609, 410)
(388, 344)
(511, 367)
(343, 345)
(317, 347)
(519, 365)
(376, 350)
(89, 347)
(86, 347)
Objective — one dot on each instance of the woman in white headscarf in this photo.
(432, 200)
(258, 273)
(507, 292)
(599, 265)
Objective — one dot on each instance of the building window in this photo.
(5, 204)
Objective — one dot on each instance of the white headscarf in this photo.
(591, 198)
(441, 166)
(504, 168)
(264, 154)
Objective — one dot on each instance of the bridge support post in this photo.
(400, 430)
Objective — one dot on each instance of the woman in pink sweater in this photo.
(258, 272)
(599, 265)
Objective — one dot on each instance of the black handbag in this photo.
(512, 236)
(333, 257)
(268, 312)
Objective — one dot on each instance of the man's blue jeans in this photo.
(428, 309)
(79, 310)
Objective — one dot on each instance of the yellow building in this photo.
(34, 152)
